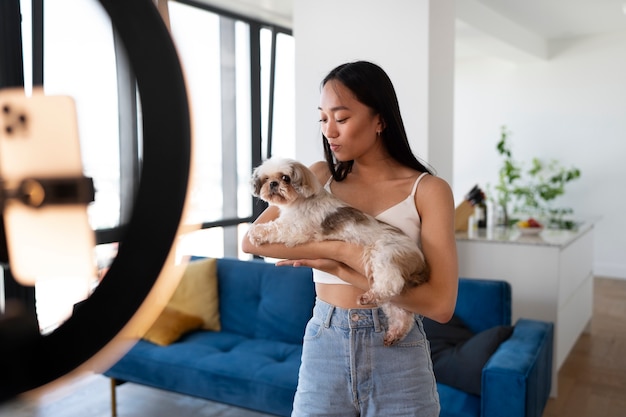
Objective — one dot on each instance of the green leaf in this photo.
(532, 191)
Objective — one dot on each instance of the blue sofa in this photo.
(253, 361)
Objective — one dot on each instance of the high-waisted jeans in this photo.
(347, 371)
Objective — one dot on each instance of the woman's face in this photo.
(349, 126)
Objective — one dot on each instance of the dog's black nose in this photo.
(273, 184)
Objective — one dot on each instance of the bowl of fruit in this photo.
(529, 227)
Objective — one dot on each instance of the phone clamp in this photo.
(39, 192)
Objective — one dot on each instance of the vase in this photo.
(501, 216)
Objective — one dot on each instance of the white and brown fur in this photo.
(392, 261)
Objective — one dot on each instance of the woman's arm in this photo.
(435, 299)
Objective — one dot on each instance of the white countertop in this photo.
(512, 235)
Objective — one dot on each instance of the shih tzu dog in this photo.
(308, 212)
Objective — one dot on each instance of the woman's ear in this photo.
(381, 124)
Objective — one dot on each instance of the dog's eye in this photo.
(286, 179)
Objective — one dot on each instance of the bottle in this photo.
(481, 213)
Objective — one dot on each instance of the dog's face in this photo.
(282, 182)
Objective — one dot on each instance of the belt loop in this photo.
(329, 316)
(376, 320)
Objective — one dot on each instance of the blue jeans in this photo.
(347, 371)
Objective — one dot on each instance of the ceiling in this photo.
(521, 30)
(555, 19)
(525, 27)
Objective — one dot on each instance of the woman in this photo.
(346, 370)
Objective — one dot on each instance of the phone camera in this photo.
(13, 122)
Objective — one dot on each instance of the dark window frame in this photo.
(129, 132)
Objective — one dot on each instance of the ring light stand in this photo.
(154, 222)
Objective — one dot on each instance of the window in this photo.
(239, 74)
(232, 66)
(79, 61)
(278, 93)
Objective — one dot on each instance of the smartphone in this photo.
(39, 139)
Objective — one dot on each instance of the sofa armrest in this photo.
(516, 380)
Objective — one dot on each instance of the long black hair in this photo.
(371, 86)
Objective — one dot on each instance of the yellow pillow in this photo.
(197, 295)
(170, 326)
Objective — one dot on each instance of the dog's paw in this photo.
(400, 322)
(257, 235)
(391, 339)
(398, 331)
(367, 298)
(254, 241)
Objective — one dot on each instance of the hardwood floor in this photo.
(592, 381)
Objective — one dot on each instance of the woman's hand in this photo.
(329, 266)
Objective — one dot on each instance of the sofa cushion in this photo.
(170, 325)
(197, 293)
(459, 355)
(457, 403)
(219, 366)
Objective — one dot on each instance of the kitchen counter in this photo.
(512, 235)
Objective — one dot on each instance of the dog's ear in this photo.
(304, 180)
(256, 183)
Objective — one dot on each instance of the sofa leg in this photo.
(114, 385)
(114, 382)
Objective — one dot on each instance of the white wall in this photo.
(418, 56)
(571, 107)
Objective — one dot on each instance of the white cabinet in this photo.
(550, 275)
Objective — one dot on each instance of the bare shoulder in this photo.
(432, 183)
(433, 192)
(321, 171)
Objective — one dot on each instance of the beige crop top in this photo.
(403, 215)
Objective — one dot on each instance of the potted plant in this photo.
(531, 192)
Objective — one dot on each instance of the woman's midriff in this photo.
(344, 296)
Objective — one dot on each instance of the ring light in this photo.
(154, 222)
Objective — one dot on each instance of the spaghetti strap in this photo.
(417, 181)
(327, 185)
